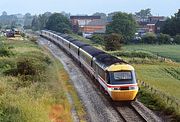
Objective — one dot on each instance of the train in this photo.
(114, 75)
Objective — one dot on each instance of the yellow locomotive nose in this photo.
(120, 95)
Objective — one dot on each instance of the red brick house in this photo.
(88, 24)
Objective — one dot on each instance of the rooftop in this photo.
(85, 17)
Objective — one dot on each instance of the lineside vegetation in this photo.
(33, 85)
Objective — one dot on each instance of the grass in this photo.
(163, 76)
(156, 103)
(33, 85)
(167, 51)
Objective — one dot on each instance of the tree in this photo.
(113, 42)
(58, 22)
(122, 24)
(43, 20)
(144, 14)
(102, 15)
(28, 20)
(4, 13)
(35, 24)
(172, 25)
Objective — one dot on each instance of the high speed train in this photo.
(115, 75)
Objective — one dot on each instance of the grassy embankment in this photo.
(163, 75)
(33, 85)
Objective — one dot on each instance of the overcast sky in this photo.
(158, 7)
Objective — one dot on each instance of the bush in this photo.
(177, 39)
(4, 51)
(149, 38)
(164, 39)
(113, 42)
(29, 69)
(98, 38)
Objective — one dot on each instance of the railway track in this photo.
(132, 112)
(128, 112)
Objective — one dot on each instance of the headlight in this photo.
(133, 87)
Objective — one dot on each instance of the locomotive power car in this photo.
(115, 75)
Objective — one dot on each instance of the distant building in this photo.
(88, 24)
(152, 24)
(95, 26)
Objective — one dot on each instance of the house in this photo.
(88, 24)
(95, 26)
(153, 24)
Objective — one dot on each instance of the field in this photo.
(164, 76)
(167, 51)
(33, 85)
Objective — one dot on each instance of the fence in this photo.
(169, 100)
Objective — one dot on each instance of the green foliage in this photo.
(172, 25)
(35, 24)
(6, 64)
(177, 39)
(98, 38)
(33, 87)
(58, 22)
(113, 42)
(154, 102)
(164, 39)
(149, 38)
(39, 22)
(5, 52)
(28, 20)
(9, 21)
(30, 68)
(123, 24)
(102, 15)
(144, 13)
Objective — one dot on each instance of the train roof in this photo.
(64, 35)
(92, 50)
(79, 43)
(71, 39)
(107, 60)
